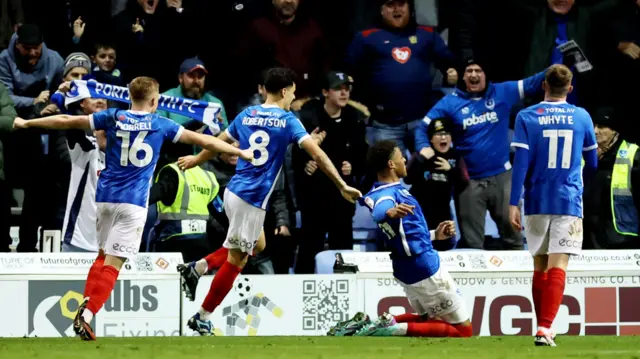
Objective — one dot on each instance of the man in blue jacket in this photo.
(480, 118)
(393, 64)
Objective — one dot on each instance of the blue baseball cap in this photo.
(192, 64)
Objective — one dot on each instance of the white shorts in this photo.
(120, 227)
(548, 234)
(245, 223)
(438, 297)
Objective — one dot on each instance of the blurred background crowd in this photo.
(367, 70)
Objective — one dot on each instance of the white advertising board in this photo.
(278, 304)
(41, 294)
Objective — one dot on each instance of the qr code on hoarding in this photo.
(324, 303)
(477, 261)
(144, 263)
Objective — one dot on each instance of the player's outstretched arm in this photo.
(324, 163)
(214, 144)
(56, 122)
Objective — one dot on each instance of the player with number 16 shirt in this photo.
(134, 139)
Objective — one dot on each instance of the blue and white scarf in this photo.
(205, 112)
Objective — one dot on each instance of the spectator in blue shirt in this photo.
(393, 62)
(480, 116)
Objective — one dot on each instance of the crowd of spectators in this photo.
(367, 70)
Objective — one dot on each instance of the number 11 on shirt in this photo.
(553, 136)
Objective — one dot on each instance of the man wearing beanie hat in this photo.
(76, 66)
(433, 181)
(480, 112)
(611, 198)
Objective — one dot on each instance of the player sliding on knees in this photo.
(267, 130)
(551, 139)
(134, 139)
(432, 293)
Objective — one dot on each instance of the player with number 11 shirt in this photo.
(551, 139)
(134, 139)
(267, 129)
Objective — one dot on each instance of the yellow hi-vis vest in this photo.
(625, 213)
(188, 214)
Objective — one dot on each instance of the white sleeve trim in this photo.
(521, 89)
(302, 139)
(521, 145)
(426, 120)
(176, 138)
(432, 234)
(592, 147)
(385, 198)
(229, 135)
(93, 127)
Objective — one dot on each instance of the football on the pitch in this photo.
(243, 287)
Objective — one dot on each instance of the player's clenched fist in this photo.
(310, 168)
(247, 155)
(445, 230)
(400, 211)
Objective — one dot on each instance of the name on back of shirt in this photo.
(136, 126)
(264, 121)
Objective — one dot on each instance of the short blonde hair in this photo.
(558, 78)
(143, 88)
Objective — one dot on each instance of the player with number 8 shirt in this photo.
(267, 129)
(134, 139)
(551, 139)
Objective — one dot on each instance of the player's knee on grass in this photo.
(113, 261)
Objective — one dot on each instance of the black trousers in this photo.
(322, 217)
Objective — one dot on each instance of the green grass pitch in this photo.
(318, 348)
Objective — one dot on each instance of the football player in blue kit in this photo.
(267, 130)
(134, 139)
(551, 139)
(439, 308)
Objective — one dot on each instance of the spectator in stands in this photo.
(183, 199)
(86, 156)
(105, 68)
(480, 114)
(612, 198)
(76, 67)
(434, 181)
(192, 78)
(283, 38)
(392, 64)
(7, 115)
(561, 21)
(30, 70)
(322, 208)
(152, 36)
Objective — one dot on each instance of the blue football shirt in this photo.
(412, 254)
(481, 123)
(134, 140)
(267, 130)
(555, 134)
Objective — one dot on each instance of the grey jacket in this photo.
(7, 116)
(48, 69)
